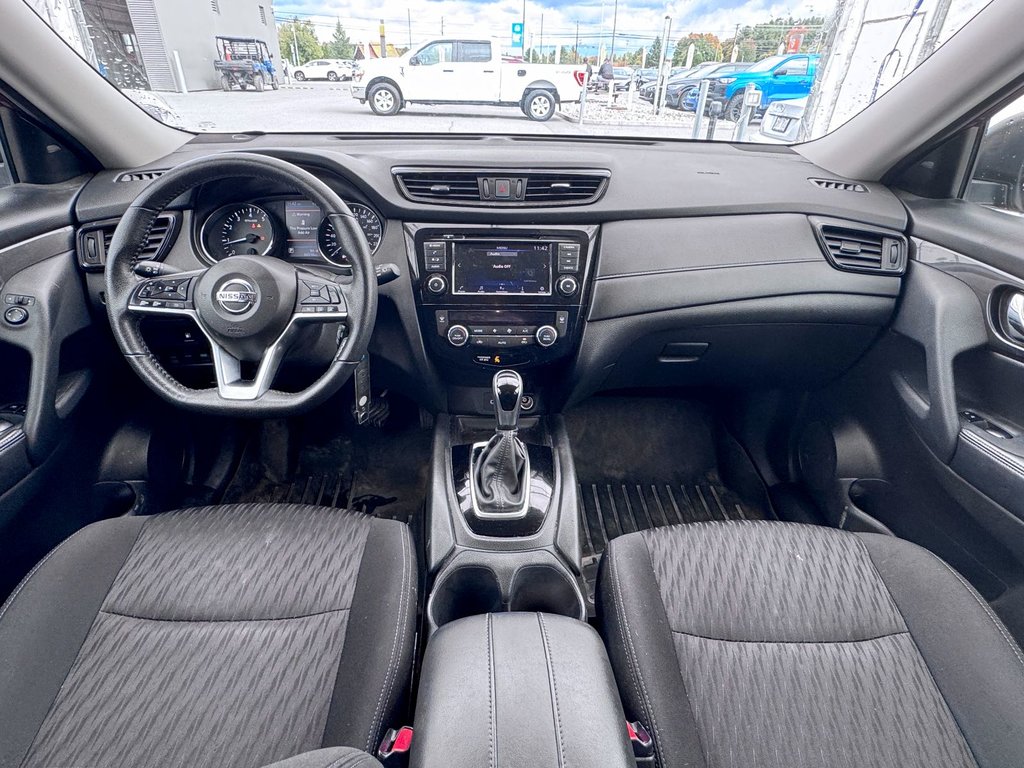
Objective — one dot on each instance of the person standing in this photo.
(286, 72)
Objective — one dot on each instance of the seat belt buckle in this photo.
(394, 747)
(643, 744)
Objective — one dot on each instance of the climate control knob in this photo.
(436, 284)
(546, 335)
(458, 335)
(567, 285)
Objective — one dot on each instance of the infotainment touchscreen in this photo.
(500, 268)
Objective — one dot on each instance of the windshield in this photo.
(504, 66)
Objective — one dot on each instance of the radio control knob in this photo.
(546, 335)
(436, 284)
(458, 335)
(567, 285)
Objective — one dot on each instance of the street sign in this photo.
(517, 34)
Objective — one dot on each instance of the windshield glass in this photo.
(506, 66)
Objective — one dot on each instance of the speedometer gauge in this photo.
(243, 230)
(369, 222)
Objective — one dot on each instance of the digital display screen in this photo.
(498, 269)
(302, 220)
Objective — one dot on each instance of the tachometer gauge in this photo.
(243, 230)
(369, 222)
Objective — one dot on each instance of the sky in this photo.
(637, 22)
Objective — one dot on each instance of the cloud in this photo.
(637, 22)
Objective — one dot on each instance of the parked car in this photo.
(647, 92)
(466, 72)
(324, 69)
(646, 75)
(778, 78)
(681, 86)
(782, 120)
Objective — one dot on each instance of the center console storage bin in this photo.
(518, 690)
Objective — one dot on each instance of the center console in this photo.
(501, 297)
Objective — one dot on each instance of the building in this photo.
(138, 43)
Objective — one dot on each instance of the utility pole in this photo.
(615, 24)
(442, 26)
(383, 43)
(524, 28)
(408, 18)
(542, 38)
(576, 47)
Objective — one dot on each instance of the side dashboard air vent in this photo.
(854, 248)
(838, 186)
(94, 241)
(501, 188)
(141, 175)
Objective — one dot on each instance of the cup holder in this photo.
(466, 591)
(546, 589)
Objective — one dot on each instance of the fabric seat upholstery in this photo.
(220, 636)
(780, 645)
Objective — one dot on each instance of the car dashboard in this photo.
(585, 265)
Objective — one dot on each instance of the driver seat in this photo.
(224, 636)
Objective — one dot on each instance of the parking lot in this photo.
(327, 107)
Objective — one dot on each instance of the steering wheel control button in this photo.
(546, 335)
(16, 315)
(458, 335)
(567, 285)
(436, 284)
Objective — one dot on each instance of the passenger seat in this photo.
(779, 645)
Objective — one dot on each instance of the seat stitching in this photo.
(225, 621)
(378, 714)
(25, 581)
(559, 734)
(788, 642)
(985, 607)
(492, 714)
(634, 667)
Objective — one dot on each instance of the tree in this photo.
(298, 42)
(654, 53)
(706, 47)
(339, 46)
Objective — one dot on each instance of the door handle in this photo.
(1014, 317)
(447, 70)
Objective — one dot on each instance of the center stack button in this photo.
(458, 335)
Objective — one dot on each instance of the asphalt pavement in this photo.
(329, 107)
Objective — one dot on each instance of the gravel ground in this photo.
(328, 107)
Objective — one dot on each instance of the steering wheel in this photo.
(250, 309)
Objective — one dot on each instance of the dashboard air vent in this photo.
(856, 249)
(94, 241)
(439, 186)
(568, 188)
(501, 187)
(141, 175)
(838, 186)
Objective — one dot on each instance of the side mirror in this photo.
(716, 108)
(780, 72)
(414, 61)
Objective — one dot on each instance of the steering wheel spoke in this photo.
(165, 295)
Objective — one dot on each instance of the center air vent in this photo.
(504, 187)
(94, 241)
(861, 249)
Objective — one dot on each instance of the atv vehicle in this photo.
(245, 62)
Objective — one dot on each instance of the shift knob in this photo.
(508, 394)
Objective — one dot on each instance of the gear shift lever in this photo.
(508, 395)
(500, 468)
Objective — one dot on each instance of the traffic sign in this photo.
(517, 34)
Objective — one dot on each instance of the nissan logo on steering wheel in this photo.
(237, 296)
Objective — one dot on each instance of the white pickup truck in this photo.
(471, 71)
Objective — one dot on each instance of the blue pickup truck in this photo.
(789, 76)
